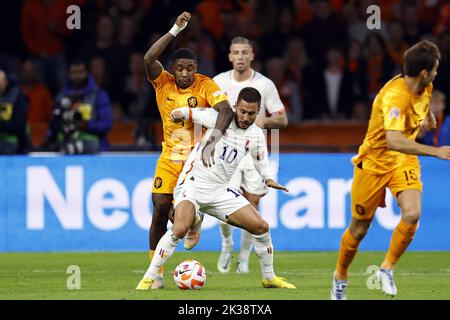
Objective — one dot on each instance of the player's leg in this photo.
(368, 192)
(226, 231)
(166, 175)
(183, 218)
(406, 184)
(253, 190)
(250, 220)
(247, 238)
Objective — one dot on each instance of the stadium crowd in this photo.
(324, 60)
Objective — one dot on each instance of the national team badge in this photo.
(192, 102)
(157, 183)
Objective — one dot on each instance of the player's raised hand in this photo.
(181, 23)
(273, 184)
(443, 153)
(183, 19)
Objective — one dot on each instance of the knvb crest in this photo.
(192, 102)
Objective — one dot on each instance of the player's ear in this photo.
(424, 73)
(229, 57)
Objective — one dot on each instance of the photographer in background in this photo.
(82, 115)
(13, 117)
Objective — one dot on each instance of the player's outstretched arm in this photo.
(398, 142)
(153, 67)
(278, 121)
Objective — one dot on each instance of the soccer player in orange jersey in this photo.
(388, 159)
(184, 87)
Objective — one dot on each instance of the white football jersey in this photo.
(229, 150)
(270, 99)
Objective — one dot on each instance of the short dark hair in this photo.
(184, 53)
(250, 95)
(77, 61)
(422, 55)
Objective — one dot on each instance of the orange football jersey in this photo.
(394, 108)
(179, 137)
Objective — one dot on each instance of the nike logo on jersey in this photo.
(170, 99)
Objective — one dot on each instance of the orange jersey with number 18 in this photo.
(394, 108)
(179, 137)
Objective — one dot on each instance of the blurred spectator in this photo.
(356, 66)
(380, 67)
(288, 90)
(39, 97)
(116, 60)
(126, 35)
(414, 28)
(395, 45)
(99, 72)
(442, 81)
(443, 23)
(326, 24)
(301, 71)
(13, 116)
(196, 33)
(437, 107)
(275, 42)
(82, 116)
(335, 96)
(43, 27)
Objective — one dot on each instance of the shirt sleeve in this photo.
(205, 116)
(213, 93)
(272, 101)
(162, 79)
(260, 156)
(395, 104)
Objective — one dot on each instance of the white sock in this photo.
(246, 245)
(264, 251)
(226, 231)
(164, 250)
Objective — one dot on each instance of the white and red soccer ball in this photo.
(190, 274)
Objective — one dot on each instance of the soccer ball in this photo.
(189, 274)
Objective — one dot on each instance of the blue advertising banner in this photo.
(103, 203)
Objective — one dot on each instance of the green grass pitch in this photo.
(419, 275)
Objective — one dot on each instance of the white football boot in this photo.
(224, 262)
(338, 289)
(386, 278)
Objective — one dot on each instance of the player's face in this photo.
(246, 113)
(241, 56)
(77, 74)
(184, 72)
(428, 77)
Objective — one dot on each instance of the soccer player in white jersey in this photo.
(246, 179)
(207, 188)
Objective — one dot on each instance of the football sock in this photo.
(347, 251)
(161, 270)
(246, 245)
(401, 238)
(164, 250)
(264, 252)
(226, 231)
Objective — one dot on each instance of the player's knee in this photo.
(262, 228)
(411, 215)
(359, 232)
(180, 230)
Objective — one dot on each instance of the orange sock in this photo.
(401, 238)
(347, 251)
(161, 270)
